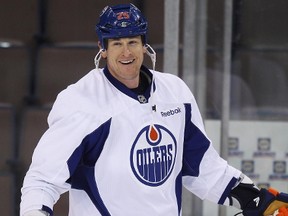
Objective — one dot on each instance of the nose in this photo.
(126, 51)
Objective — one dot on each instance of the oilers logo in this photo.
(153, 155)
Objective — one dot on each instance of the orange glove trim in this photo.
(273, 191)
(283, 211)
(274, 206)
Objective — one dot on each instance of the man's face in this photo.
(124, 59)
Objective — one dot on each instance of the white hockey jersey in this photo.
(117, 156)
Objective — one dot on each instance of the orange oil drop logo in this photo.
(153, 134)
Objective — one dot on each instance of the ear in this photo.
(144, 49)
(104, 54)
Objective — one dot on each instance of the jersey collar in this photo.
(124, 89)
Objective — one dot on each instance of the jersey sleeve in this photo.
(204, 172)
(46, 178)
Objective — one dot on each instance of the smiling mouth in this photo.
(126, 62)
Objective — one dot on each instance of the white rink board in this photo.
(259, 149)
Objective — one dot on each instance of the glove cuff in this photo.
(260, 204)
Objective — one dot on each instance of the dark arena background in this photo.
(233, 54)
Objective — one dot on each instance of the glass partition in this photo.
(258, 122)
(259, 66)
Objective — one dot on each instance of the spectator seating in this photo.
(18, 20)
(79, 23)
(7, 137)
(7, 194)
(14, 72)
(7, 159)
(61, 65)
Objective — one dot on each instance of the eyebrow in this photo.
(118, 39)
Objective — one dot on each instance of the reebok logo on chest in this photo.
(171, 112)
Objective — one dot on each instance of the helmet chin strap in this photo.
(98, 58)
(152, 54)
(149, 51)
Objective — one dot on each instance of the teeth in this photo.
(127, 62)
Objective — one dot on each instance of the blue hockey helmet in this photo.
(124, 20)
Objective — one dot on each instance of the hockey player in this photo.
(124, 139)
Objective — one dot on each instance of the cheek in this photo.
(110, 57)
(109, 61)
(142, 55)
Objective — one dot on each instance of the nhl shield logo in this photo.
(153, 155)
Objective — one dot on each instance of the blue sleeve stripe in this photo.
(195, 145)
(47, 209)
(227, 190)
(82, 162)
(178, 191)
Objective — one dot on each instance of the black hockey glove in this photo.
(266, 203)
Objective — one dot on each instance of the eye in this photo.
(116, 43)
(133, 42)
